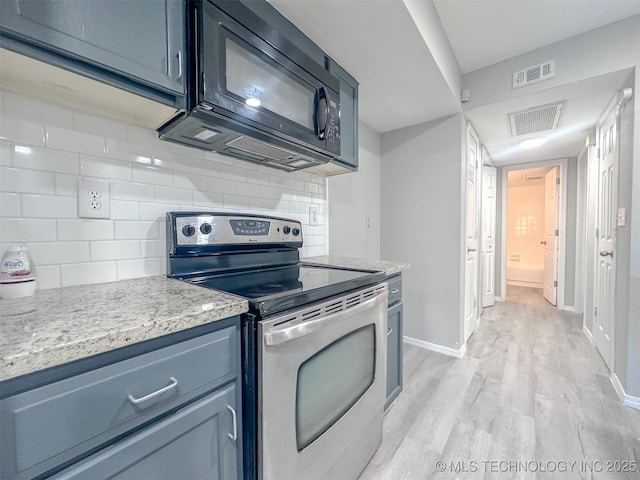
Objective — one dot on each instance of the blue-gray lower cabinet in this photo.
(138, 45)
(169, 403)
(199, 442)
(394, 340)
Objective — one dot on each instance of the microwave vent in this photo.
(256, 147)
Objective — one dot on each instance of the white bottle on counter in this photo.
(17, 273)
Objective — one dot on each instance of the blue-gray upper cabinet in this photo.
(137, 45)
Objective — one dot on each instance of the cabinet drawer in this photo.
(395, 289)
(50, 425)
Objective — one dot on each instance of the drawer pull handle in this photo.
(389, 330)
(393, 292)
(233, 436)
(171, 386)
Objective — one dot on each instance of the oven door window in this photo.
(331, 381)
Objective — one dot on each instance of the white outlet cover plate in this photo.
(91, 205)
(313, 216)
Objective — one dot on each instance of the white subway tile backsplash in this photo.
(141, 267)
(48, 276)
(221, 185)
(66, 184)
(25, 181)
(36, 110)
(190, 181)
(207, 199)
(123, 210)
(129, 152)
(115, 250)
(84, 229)
(103, 127)
(133, 191)
(153, 175)
(153, 248)
(56, 253)
(127, 230)
(73, 141)
(103, 168)
(156, 211)
(174, 195)
(5, 153)
(10, 205)
(88, 273)
(39, 158)
(21, 131)
(148, 177)
(49, 206)
(24, 230)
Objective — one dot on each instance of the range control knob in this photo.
(206, 228)
(296, 232)
(188, 230)
(286, 229)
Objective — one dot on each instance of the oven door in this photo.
(248, 80)
(322, 385)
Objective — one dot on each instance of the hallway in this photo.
(531, 394)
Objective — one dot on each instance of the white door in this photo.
(606, 236)
(487, 257)
(550, 242)
(471, 280)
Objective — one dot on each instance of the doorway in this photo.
(533, 229)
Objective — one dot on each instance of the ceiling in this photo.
(401, 84)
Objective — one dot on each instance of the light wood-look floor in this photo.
(531, 389)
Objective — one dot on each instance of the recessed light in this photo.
(252, 102)
(532, 142)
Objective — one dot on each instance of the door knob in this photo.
(543, 242)
(606, 253)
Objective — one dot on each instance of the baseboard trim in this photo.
(569, 308)
(434, 347)
(499, 299)
(587, 333)
(628, 400)
(521, 283)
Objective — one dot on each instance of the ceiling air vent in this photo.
(536, 119)
(534, 74)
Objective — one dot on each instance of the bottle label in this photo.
(15, 270)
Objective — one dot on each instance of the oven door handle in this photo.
(283, 334)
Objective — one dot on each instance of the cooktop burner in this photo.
(271, 290)
(255, 257)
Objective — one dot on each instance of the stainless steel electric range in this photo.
(313, 343)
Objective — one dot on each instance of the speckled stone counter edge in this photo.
(388, 267)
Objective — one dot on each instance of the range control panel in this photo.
(231, 229)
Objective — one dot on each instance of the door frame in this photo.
(562, 163)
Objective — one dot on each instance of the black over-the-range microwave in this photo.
(265, 102)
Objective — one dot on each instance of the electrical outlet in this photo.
(313, 216)
(93, 199)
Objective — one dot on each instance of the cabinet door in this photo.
(139, 39)
(348, 116)
(394, 353)
(201, 441)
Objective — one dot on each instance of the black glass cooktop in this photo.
(273, 290)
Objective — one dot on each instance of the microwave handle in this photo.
(321, 130)
(283, 333)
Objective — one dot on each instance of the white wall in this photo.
(421, 211)
(148, 177)
(354, 203)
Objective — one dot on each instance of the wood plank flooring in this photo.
(530, 397)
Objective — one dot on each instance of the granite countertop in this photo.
(57, 326)
(389, 268)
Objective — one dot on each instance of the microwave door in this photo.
(250, 81)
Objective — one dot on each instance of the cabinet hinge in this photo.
(595, 311)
